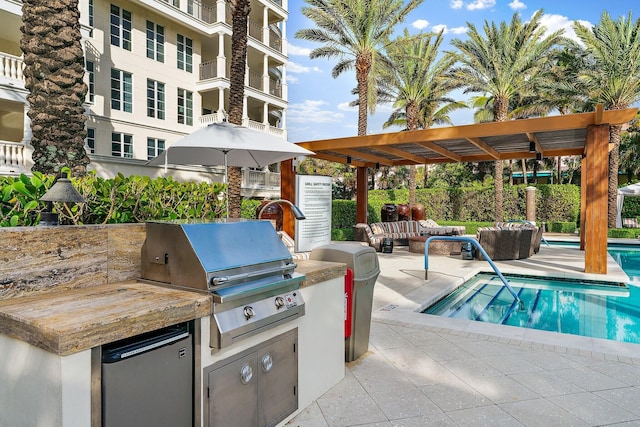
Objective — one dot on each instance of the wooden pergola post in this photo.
(583, 199)
(596, 203)
(288, 192)
(362, 201)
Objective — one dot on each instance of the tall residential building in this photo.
(157, 70)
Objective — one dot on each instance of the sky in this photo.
(319, 104)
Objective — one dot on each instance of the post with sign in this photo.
(313, 197)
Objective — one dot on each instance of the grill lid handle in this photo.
(220, 280)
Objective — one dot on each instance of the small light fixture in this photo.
(61, 191)
(377, 165)
(348, 160)
(297, 213)
(538, 156)
(532, 146)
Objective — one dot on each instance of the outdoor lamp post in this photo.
(297, 213)
(61, 191)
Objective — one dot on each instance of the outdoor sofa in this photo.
(400, 231)
(509, 240)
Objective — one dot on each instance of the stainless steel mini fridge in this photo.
(147, 380)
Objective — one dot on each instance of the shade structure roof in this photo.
(553, 136)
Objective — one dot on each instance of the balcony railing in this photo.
(255, 30)
(11, 67)
(275, 88)
(12, 156)
(208, 70)
(255, 80)
(260, 179)
(219, 117)
(275, 41)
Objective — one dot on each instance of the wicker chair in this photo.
(505, 244)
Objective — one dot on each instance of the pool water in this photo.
(586, 308)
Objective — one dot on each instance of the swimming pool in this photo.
(587, 308)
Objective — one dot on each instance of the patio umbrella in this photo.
(229, 145)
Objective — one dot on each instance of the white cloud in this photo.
(481, 4)
(454, 30)
(456, 4)
(294, 67)
(344, 106)
(420, 24)
(292, 79)
(557, 22)
(517, 4)
(312, 111)
(297, 50)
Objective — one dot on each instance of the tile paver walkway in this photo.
(423, 370)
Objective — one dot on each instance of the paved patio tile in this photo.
(502, 389)
(406, 403)
(489, 416)
(593, 409)
(546, 383)
(588, 379)
(350, 410)
(436, 421)
(454, 396)
(627, 397)
(541, 412)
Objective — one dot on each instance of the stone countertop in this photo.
(72, 320)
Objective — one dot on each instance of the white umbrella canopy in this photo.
(228, 145)
(629, 190)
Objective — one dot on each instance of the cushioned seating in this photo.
(400, 231)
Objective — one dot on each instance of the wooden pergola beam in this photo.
(484, 147)
(533, 138)
(403, 154)
(442, 151)
(366, 156)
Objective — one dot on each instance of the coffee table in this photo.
(436, 247)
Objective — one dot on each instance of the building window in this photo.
(185, 53)
(121, 90)
(91, 141)
(120, 27)
(155, 99)
(155, 41)
(121, 145)
(185, 107)
(91, 12)
(92, 80)
(155, 146)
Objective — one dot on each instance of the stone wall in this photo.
(38, 259)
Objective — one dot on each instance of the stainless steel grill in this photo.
(243, 264)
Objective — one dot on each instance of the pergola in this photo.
(585, 134)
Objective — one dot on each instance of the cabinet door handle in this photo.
(267, 362)
(246, 373)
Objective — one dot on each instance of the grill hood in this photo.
(214, 255)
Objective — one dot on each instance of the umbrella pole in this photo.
(226, 181)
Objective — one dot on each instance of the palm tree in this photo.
(240, 10)
(54, 71)
(615, 79)
(417, 82)
(509, 60)
(356, 33)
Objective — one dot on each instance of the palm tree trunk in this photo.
(524, 171)
(559, 166)
(614, 163)
(240, 15)
(54, 71)
(500, 105)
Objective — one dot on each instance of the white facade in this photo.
(157, 70)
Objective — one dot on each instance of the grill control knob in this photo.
(248, 312)
(246, 373)
(279, 302)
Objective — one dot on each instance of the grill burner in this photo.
(243, 265)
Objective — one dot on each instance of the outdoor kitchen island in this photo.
(67, 291)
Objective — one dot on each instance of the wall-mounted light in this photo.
(61, 191)
(297, 213)
(532, 146)
(538, 156)
(377, 165)
(348, 160)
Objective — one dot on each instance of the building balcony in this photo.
(220, 117)
(13, 158)
(11, 67)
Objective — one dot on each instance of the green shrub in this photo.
(624, 233)
(342, 234)
(560, 227)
